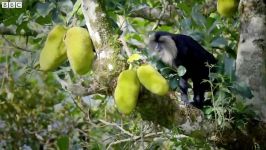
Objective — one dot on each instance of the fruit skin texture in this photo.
(227, 7)
(152, 80)
(54, 52)
(79, 49)
(127, 91)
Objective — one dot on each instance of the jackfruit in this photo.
(54, 52)
(152, 80)
(127, 91)
(79, 49)
(227, 7)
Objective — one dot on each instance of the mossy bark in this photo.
(108, 65)
(251, 54)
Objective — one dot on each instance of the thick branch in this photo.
(8, 31)
(171, 14)
(108, 64)
(169, 17)
(98, 24)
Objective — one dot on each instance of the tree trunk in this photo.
(108, 65)
(251, 54)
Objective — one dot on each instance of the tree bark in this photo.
(108, 65)
(251, 54)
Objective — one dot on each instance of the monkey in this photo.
(178, 49)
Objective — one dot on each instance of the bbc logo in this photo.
(11, 4)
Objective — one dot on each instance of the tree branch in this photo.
(169, 17)
(8, 31)
(165, 5)
(117, 126)
(134, 139)
(14, 45)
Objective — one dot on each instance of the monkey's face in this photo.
(163, 47)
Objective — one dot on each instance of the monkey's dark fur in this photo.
(178, 49)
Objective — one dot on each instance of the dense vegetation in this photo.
(37, 109)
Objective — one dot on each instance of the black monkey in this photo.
(178, 49)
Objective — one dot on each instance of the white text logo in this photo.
(11, 4)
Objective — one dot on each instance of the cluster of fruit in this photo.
(128, 86)
(73, 44)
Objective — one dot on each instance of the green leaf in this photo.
(63, 143)
(220, 121)
(135, 36)
(173, 83)
(242, 89)
(186, 24)
(20, 19)
(219, 42)
(77, 6)
(213, 27)
(44, 8)
(208, 110)
(198, 36)
(181, 70)
(76, 9)
(98, 97)
(197, 16)
(10, 21)
(165, 70)
(165, 28)
(42, 20)
(134, 57)
(57, 17)
(229, 66)
(66, 6)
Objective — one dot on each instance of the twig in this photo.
(117, 126)
(165, 5)
(142, 138)
(17, 47)
(124, 43)
(72, 15)
(123, 28)
(133, 139)
(86, 113)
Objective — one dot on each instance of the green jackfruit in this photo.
(227, 7)
(152, 80)
(79, 49)
(54, 52)
(127, 91)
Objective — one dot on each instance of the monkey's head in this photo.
(162, 46)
